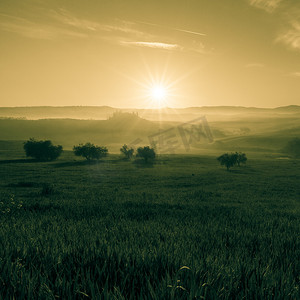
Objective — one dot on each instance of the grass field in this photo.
(182, 228)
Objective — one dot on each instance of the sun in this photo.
(156, 89)
(158, 93)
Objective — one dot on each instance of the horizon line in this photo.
(155, 108)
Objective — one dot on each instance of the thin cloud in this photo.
(172, 28)
(156, 45)
(33, 30)
(189, 31)
(291, 37)
(61, 22)
(194, 45)
(66, 18)
(194, 48)
(66, 24)
(267, 5)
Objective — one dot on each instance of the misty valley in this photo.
(232, 128)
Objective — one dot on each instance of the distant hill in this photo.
(44, 112)
(273, 141)
(121, 120)
(290, 109)
(166, 114)
(232, 127)
(119, 128)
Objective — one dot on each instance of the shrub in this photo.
(241, 158)
(128, 152)
(42, 150)
(146, 153)
(90, 151)
(228, 160)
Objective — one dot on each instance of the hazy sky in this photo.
(112, 52)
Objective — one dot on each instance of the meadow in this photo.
(181, 228)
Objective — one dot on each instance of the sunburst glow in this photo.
(158, 92)
(159, 87)
(158, 95)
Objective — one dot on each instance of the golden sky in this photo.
(114, 52)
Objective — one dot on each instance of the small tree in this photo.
(128, 152)
(146, 153)
(228, 160)
(241, 158)
(42, 150)
(90, 151)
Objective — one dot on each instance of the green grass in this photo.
(119, 230)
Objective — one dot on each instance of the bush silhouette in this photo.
(90, 151)
(42, 150)
(128, 152)
(228, 160)
(241, 158)
(146, 153)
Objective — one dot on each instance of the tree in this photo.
(90, 151)
(146, 153)
(293, 148)
(228, 160)
(241, 158)
(42, 150)
(128, 152)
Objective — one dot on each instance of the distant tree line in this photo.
(46, 151)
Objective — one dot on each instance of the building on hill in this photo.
(119, 115)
